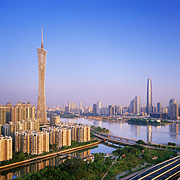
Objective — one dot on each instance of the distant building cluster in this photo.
(172, 111)
(98, 109)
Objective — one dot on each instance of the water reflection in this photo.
(174, 129)
(135, 130)
(36, 166)
(149, 133)
(97, 123)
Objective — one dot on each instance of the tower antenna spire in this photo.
(42, 37)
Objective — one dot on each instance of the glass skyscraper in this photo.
(149, 96)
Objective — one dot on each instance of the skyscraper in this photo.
(158, 107)
(41, 106)
(137, 101)
(173, 110)
(149, 96)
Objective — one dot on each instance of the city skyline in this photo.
(106, 56)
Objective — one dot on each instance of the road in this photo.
(160, 171)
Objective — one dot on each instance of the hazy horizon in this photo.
(96, 50)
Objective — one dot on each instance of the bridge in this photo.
(113, 140)
(127, 141)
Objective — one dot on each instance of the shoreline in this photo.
(100, 119)
(24, 162)
(152, 124)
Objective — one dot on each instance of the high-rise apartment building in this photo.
(54, 119)
(22, 111)
(31, 142)
(5, 148)
(80, 133)
(8, 111)
(83, 133)
(41, 106)
(149, 96)
(6, 130)
(59, 135)
(2, 115)
(28, 124)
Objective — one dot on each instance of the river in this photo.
(156, 134)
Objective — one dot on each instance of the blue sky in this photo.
(98, 50)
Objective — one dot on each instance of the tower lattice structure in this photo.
(41, 106)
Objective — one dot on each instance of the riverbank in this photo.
(98, 118)
(66, 151)
(140, 121)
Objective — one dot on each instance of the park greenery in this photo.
(149, 121)
(136, 156)
(127, 158)
(75, 169)
(169, 146)
(100, 130)
(140, 142)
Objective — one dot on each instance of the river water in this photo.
(156, 134)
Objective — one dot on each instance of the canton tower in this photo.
(149, 96)
(41, 106)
